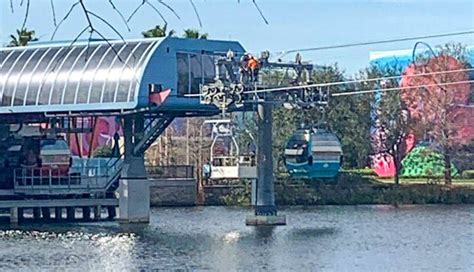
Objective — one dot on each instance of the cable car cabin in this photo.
(227, 162)
(313, 153)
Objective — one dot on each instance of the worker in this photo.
(29, 163)
(30, 159)
(249, 67)
(206, 169)
(254, 66)
(253, 153)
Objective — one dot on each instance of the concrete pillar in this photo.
(97, 212)
(138, 128)
(134, 189)
(46, 213)
(36, 213)
(265, 209)
(21, 214)
(128, 132)
(86, 213)
(253, 195)
(70, 213)
(58, 213)
(111, 212)
(14, 217)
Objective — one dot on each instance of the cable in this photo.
(346, 82)
(401, 88)
(362, 80)
(284, 53)
(355, 81)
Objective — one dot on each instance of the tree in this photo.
(349, 117)
(105, 151)
(437, 103)
(392, 125)
(194, 34)
(285, 122)
(22, 38)
(158, 32)
(346, 116)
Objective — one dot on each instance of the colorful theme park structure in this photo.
(420, 158)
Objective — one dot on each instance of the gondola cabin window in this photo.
(194, 70)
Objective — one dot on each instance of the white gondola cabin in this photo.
(226, 160)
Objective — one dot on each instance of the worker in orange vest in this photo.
(249, 67)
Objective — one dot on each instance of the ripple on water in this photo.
(374, 238)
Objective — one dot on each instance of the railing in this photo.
(244, 160)
(79, 177)
(97, 167)
(171, 171)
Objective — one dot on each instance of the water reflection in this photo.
(56, 248)
(264, 232)
(312, 232)
(215, 238)
(232, 237)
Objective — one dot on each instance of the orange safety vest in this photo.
(253, 63)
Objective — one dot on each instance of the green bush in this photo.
(103, 152)
(363, 171)
(424, 162)
(237, 197)
(468, 174)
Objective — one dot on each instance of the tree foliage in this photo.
(158, 32)
(22, 38)
(346, 116)
(162, 31)
(194, 34)
(392, 119)
(349, 118)
(437, 104)
(104, 151)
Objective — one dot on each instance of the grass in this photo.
(456, 181)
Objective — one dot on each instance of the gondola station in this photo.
(55, 99)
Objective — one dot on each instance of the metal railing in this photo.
(244, 160)
(171, 171)
(97, 167)
(79, 177)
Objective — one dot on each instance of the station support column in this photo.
(134, 188)
(265, 208)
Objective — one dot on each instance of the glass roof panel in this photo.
(102, 72)
(33, 77)
(86, 74)
(127, 74)
(113, 74)
(11, 77)
(137, 70)
(23, 77)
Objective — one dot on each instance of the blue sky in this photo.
(292, 23)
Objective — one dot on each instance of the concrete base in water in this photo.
(265, 220)
(42, 208)
(14, 215)
(134, 201)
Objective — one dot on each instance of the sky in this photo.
(292, 24)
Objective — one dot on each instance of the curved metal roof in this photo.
(62, 77)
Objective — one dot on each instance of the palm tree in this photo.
(158, 32)
(24, 36)
(194, 34)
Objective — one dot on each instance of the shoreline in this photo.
(347, 191)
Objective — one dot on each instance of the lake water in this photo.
(328, 238)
